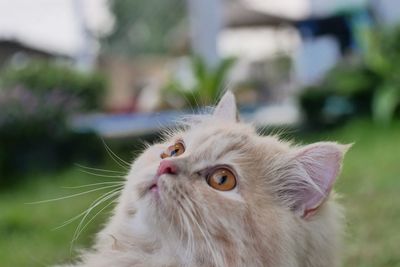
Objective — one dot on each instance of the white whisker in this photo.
(93, 204)
(205, 235)
(70, 196)
(81, 228)
(95, 184)
(97, 169)
(102, 175)
(122, 163)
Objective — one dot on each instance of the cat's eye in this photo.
(173, 151)
(222, 179)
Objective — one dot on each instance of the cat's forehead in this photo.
(212, 137)
(211, 131)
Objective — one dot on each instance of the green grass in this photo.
(27, 235)
(370, 184)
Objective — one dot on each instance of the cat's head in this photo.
(218, 179)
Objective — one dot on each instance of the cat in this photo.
(215, 193)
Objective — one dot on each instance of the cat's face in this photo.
(218, 177)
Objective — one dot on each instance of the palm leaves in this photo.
(208, 83)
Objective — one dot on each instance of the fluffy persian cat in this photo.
(218, 194)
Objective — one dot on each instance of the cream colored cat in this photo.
(218, 194)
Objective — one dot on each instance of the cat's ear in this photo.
(317, 167)
(226, 108)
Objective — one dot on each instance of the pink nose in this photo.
(167, 167)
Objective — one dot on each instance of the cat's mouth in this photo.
(154, 187)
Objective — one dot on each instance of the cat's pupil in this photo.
(222, 180)
(173, 152)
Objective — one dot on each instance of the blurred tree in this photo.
(143, 26)
(42, 77)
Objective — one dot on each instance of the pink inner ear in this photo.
(321, 163)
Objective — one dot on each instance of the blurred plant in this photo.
(41, 77)
(347, 90)
(36, 102)
(34, 134)
(370, 86)
(208, 83)
(24, 110)
(383, 58)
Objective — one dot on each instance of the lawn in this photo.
(370, 185)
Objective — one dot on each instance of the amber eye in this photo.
(173, 151)
(222, 179)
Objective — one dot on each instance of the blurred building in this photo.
(280, 45)
(48, 28)
(16, 53)
(315, 34)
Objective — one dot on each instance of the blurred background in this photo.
(83, 83)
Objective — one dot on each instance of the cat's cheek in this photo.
(231, 195)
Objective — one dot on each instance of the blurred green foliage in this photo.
(36, 102)
(346, 91)
(383, 58)
(144, 26)
(365, 86)
(207, 86)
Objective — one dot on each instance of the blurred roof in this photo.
(53, 25)
(287, 9)
(15, 45)
(238, 14)
(247, 13)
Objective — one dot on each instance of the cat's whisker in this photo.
(187, 217)
(81, 228)
(102, 175)
(188, 104)
(95, 184)
(206, 239)
(184, 221)
(77, 234)
(195, 100)
(95, 203)
(205, 235)
(122, 163)
(100, 170)
(189, 243)
(71, 196)
(103, 198)
(171, 224)
(88, 211)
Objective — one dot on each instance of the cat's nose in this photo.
(167, 167)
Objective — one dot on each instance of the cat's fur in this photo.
(282, 212)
